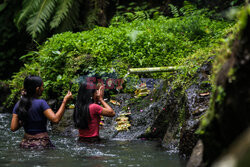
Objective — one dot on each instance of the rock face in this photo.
(184, 113)
(66, 125)
(196, 156)
(229, 115)
(197, 102)
(166, 114)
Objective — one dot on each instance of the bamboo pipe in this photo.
(155, 69)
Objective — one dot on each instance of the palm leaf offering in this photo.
(142, 90)
(122, 122)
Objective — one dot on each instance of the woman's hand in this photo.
(56, 117)
(68, 97)
(100, 93)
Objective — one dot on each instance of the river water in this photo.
(70, 153)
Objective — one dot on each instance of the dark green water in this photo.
(69, 153)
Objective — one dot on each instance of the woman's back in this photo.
(32, 114)
(36, 122)
(93, 124)
(87, 113)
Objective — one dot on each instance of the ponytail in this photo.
(23, 107)
(30, 85)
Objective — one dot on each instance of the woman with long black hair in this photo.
(32, 113)
(87, 113)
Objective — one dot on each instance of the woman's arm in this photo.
(14, 123)
(56, 117)
(107, 110)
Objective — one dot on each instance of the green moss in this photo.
(231, 76)
(220, 95)
(223, 53)
(181, 118)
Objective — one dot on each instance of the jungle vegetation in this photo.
(28, 23)
(65, 42)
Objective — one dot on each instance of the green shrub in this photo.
(140, 43)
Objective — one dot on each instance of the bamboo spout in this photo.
(155, 69)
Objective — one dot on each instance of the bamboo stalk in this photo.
(155, 69)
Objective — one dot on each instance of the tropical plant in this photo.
(135, 11)
(39, 15)
(140, 43)
(97, 13)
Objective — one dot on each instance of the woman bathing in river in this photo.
(32, 113)
(87, 113)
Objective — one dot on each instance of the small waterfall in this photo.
(125, 76)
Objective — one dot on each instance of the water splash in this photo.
(126, 75)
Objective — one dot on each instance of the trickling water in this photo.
(126, 75)
(70, 153)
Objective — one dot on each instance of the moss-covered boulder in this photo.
(229, 112)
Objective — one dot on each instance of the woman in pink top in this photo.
(87, 113)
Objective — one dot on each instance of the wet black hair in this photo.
(30, 84)
(85, 97)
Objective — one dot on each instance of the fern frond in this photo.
(69, 22)
(36, 23)
(28, 7)
(61, 12)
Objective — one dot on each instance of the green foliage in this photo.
(133, 12)
(61, 13)
(174, 10)
(36, 14)
(140, 43)
(3, 6)
(96, 13)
